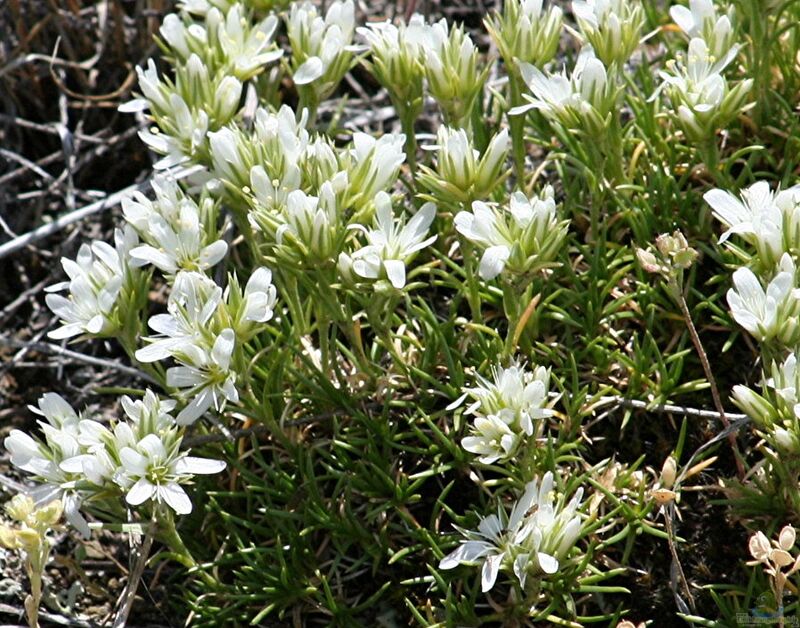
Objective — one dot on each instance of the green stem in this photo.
(473, 286)
(33, 601)
(709, 154)
(614, 156)
(291, 295)
(511, 307)
(516, 126)
(760, 51)
(168, 534)
(307, 99)
(407, 121)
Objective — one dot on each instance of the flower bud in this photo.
(648, 261)
(20, 507)
(754, 405)
(612, 28)
(50, 513)
(8, 537)
(668, 472)
(784, 440)
(29, 539)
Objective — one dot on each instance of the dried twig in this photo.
(50, 348)
(57, 225)
(128, 596)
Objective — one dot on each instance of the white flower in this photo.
(700, 20)
(372, 166)
(150, 414)
(583, 100)
(96, 278)
(178, 245)
(247, 48)
(259, 296)
(770, 313)
(157, 472)
(284, 132)
(785, 381)
(700, 96)
(493, 438)
(192, 303)
(321, 48)
(392, 243)
(462, 174)
(756, 217)
(612, 27)
(138, 210)
(525, 235)
(207, 376)
(312, 226)
(526, 32)
(155, 96)
(538, 534)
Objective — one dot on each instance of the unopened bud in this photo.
(668, 472)
(20, 507)
(648, 261)
(50, 513)
(784, 439)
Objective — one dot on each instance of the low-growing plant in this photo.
(408, 362)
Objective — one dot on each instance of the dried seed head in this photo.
(759, 547)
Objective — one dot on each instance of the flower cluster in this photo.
(200, 331)
(461, 174)
(520, 238)
(300, 193)
(101, 279)
(185, 109)
(532, 541)
(585, 100)
(700, 20)
(526, 31)
(226, 40)
(322, 50)
(397, 60)
(508, 409)
(702, 101)
(612, 27)
(451, 68)
(179, 233)
(391, 244)
(769, 222)
(81, 461)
